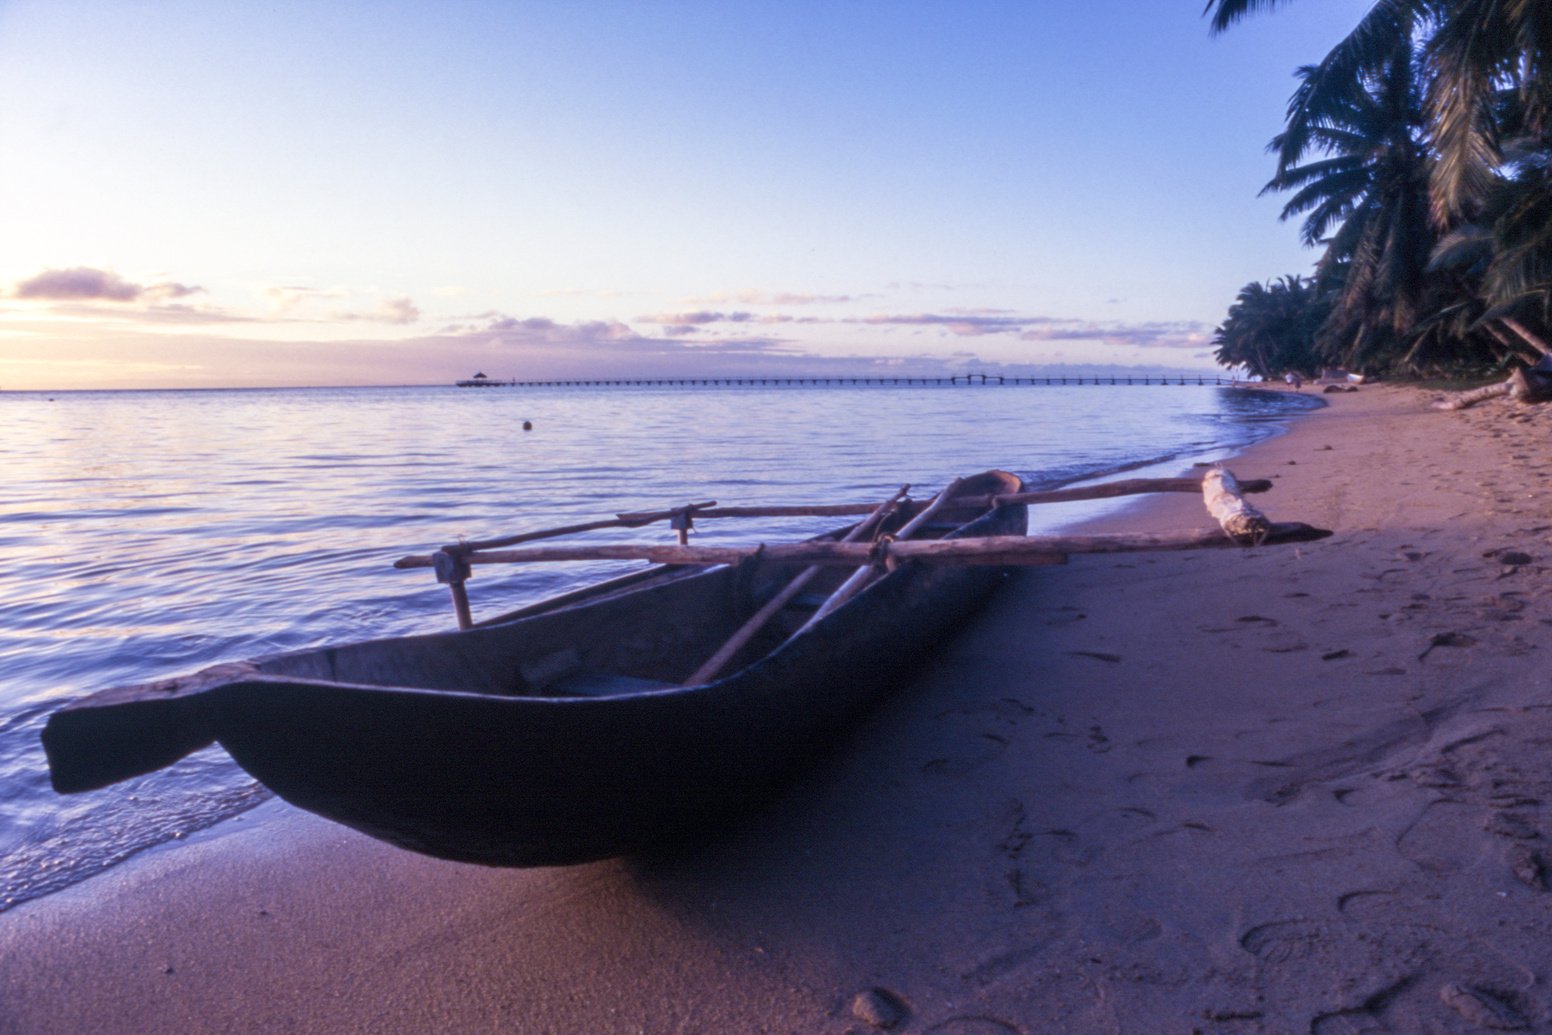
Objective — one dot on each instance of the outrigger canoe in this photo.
(605, 722)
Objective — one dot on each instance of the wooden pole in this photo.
(986, 550)
(859, 579)
(715, 664)
(452, 567)
(1110, 490)
(864, 575)
(771, 510)
(618, 521)
(460, 595)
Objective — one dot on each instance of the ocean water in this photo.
(148, 534)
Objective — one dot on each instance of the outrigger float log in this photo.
(613, 718)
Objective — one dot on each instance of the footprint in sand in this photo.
(974, 755)
(1482, 1007)
(1447, 639)
(1387, 976)
(974, 1026)
(1441, 840)
(1095, 654)
(1367, 905)
(1528, 866)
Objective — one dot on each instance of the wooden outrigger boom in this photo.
(1025, 550)
(1239, 524)
(1108, 490)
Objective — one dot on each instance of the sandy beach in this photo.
(1303, 789)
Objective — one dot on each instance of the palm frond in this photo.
(1224, 13)
(1521, 268)
(1468, 246)
(1334, 93)
(1323, 215)
(1461, 101)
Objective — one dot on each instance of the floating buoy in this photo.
(527, 425)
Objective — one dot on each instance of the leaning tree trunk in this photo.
(1525, 386)
(1533, 385)
(1461, 400)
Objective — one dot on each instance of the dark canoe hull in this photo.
(522, 780)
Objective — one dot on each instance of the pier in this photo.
(813, 382)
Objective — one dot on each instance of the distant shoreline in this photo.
(1088, 377)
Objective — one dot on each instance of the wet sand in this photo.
(1302, 789)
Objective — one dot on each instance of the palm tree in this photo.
(1487, 66)
(1506, 251)
(1476, 50)
(1488, 58)
(1270, 328)
(1354, 156)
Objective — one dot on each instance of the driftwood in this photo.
(1523, 386)
(1225, 501)
(1532, 385)
(1461, 400)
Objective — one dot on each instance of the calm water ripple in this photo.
(146, 534)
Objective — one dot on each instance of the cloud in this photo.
(291, 333)
(541, 330)
(286, 297)
(771, 298)
(1179, 334)
(963, 324)
(400, 311)
(966, 323)
(918, 285)
(695, 319)
(291, 302)
(86, 284)
(79, 284)
(165, 292)
(130, 350)
(585, 293)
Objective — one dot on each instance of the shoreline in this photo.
(1233, 792)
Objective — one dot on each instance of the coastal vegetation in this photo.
(1418, 154)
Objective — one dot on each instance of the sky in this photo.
(229, 194)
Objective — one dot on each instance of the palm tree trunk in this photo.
(1519, 328)
(1460, 400)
